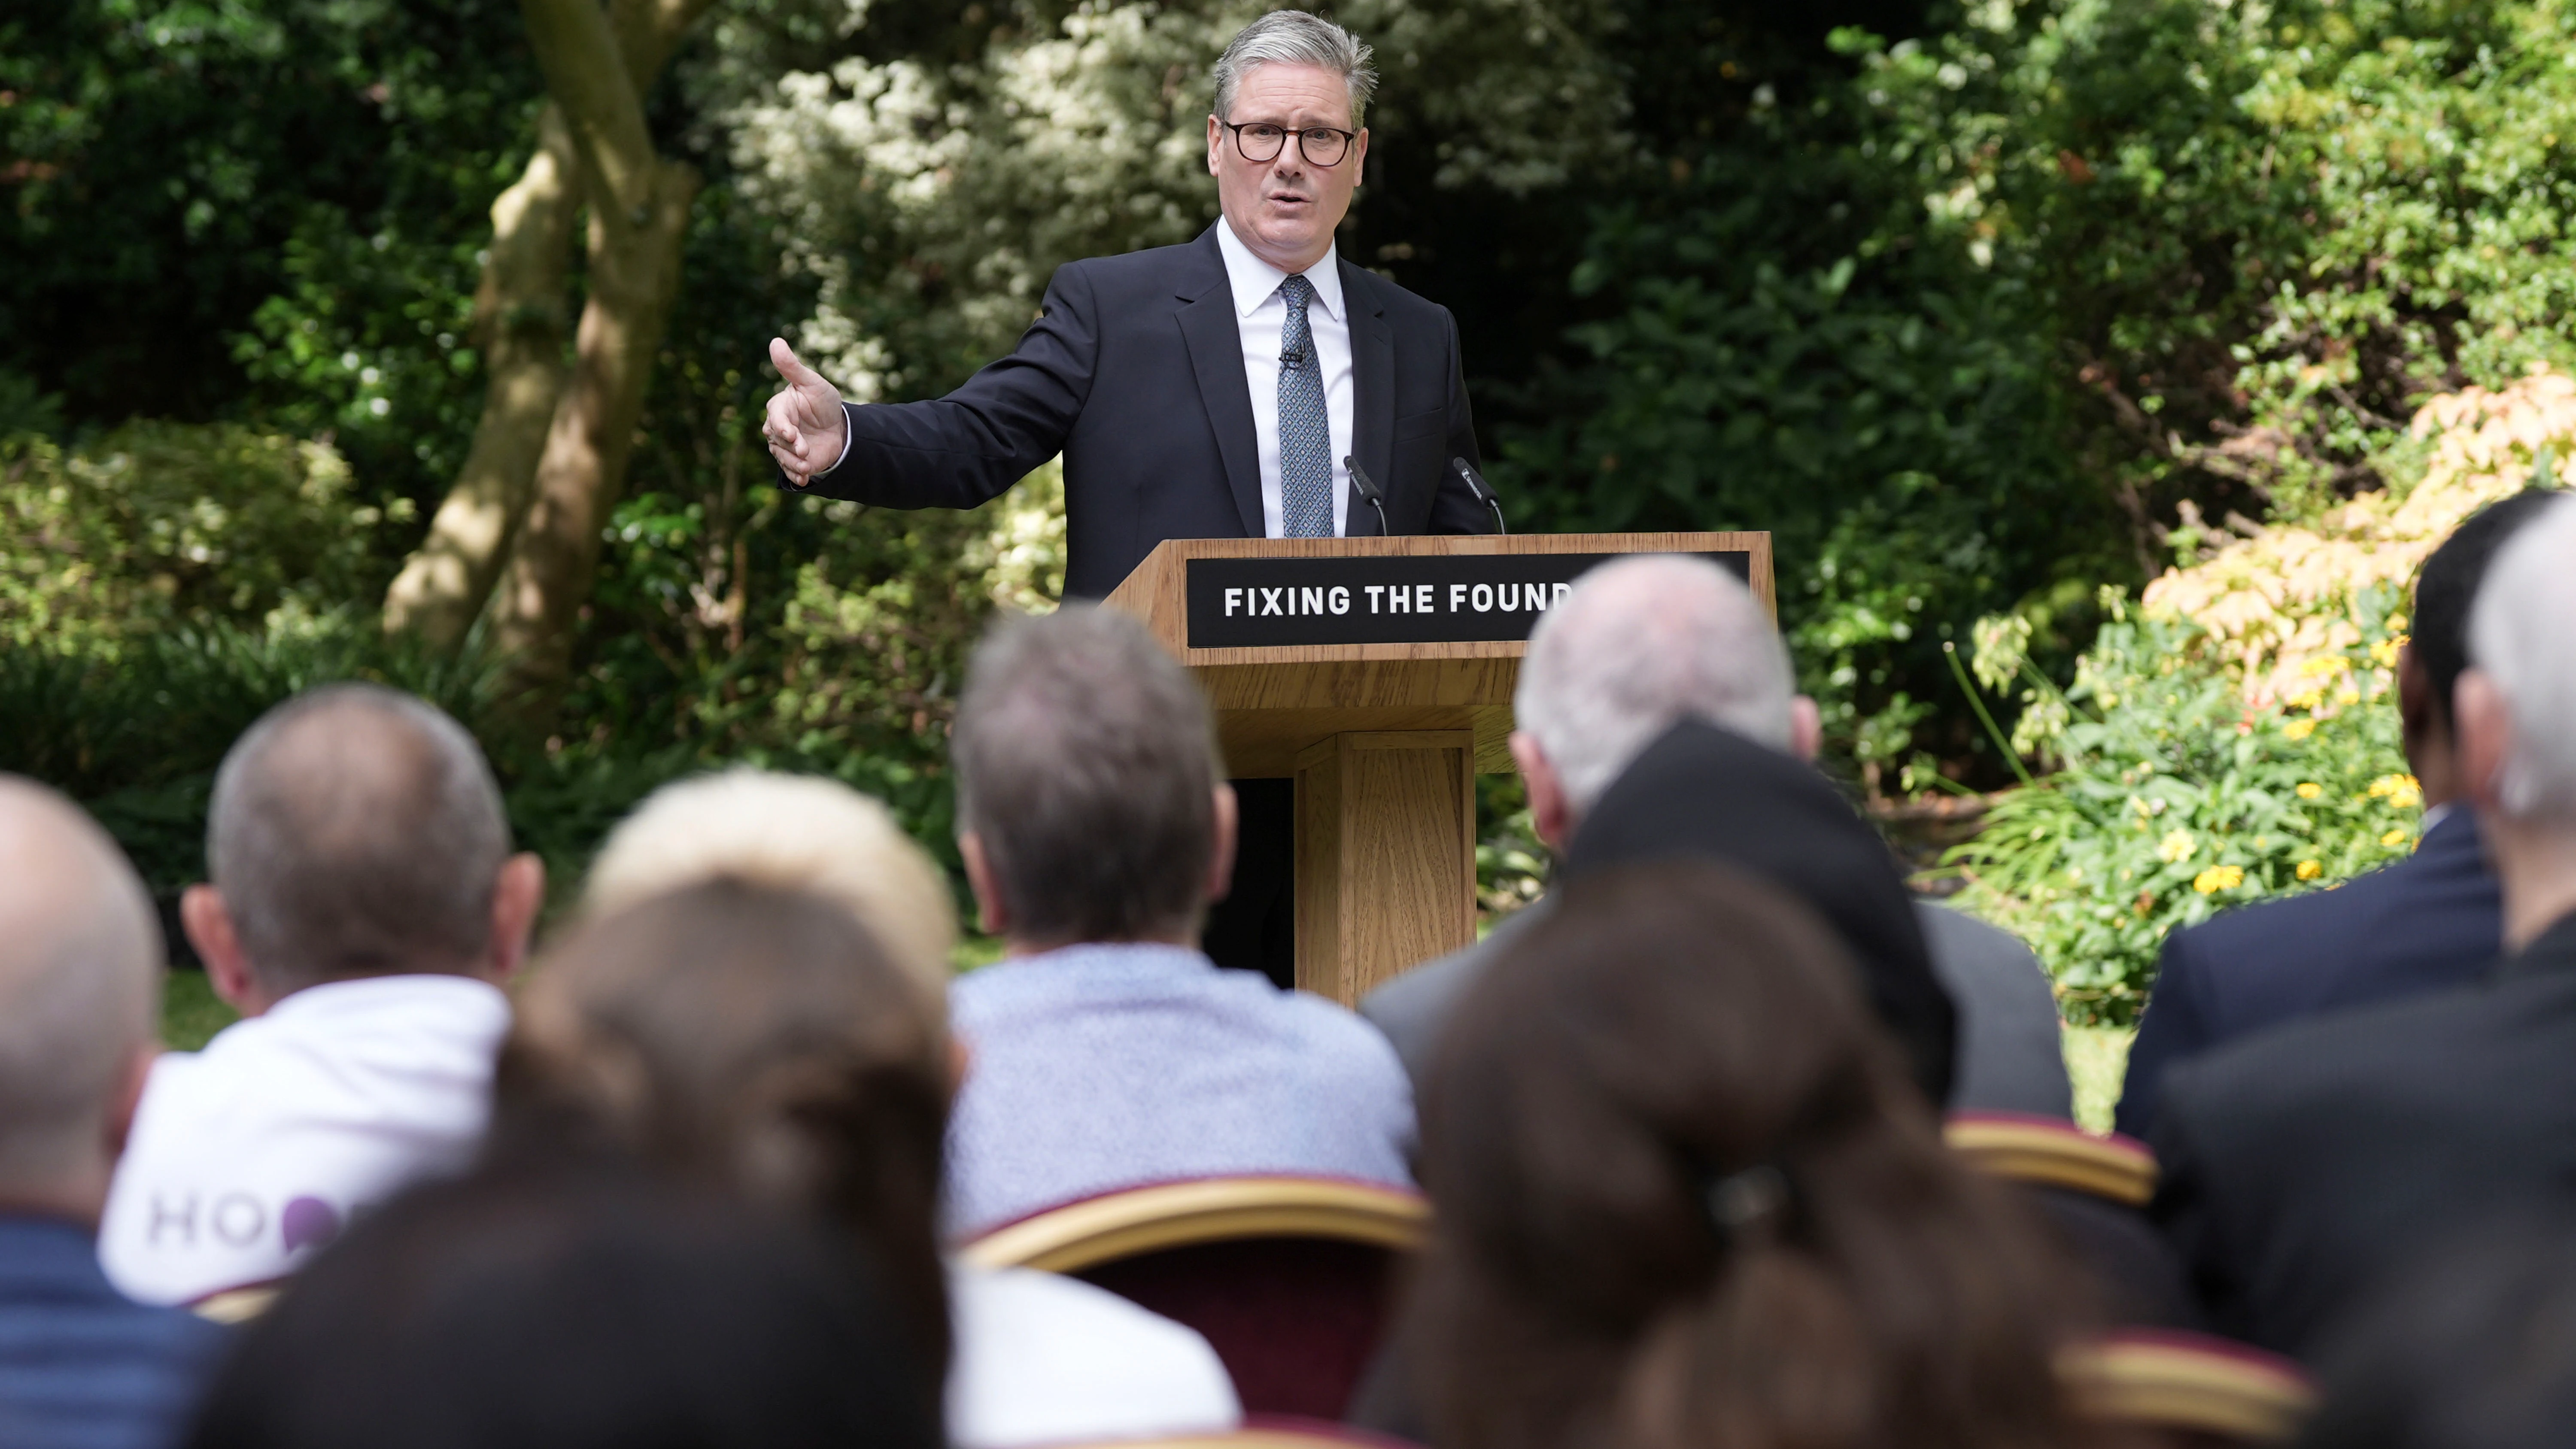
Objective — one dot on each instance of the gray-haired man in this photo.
(364, 909)
(1208, 390)
(1108, 1052)
(1638, 645)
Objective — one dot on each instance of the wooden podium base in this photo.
(1386, 855)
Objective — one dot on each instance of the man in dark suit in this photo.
(2304, 1165)
(2428, 922)
(1210, 390)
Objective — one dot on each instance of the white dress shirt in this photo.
(1261, 316)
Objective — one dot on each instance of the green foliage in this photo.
(2175, 799)
(160, 523)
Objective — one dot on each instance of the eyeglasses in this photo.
(1261, 141)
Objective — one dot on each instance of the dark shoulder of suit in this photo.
(2313, 1159)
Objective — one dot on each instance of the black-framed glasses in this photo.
(1261, 141)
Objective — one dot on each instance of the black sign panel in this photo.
(1260, 603)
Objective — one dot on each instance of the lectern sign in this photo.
(1253, 603)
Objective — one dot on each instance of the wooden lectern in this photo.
(1378, 673)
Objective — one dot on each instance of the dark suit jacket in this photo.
(1134, 371)
(2431, 921)
(80, 1365)
(2302, 1166)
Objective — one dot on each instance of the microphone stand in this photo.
(1483, 494)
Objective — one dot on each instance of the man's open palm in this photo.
(805, 427)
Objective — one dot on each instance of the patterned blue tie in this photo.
(1305, 436)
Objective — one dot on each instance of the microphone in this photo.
(1368, 490)
(1483, 492)
(1296, 358)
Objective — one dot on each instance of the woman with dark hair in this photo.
(760, 1041)
(1687, 1199)
(572, 1308)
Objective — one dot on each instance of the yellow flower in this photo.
(2308, 699)
(2308, 790)
(2310, 870)
(2394, 837)
(2348, 696)
(2176, 846)
(2321, 665)
(2384, 653)
(2218, 878)
(2402, 792)
(2299, 729)
(2397, 626)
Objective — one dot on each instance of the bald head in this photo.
(80, 976)
(356, 831)
(1639, 645)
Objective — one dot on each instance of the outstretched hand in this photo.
(805, 427)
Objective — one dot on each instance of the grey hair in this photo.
(80, 983)
(1087, 768)
(2519, 637)
(356, 830)
(1293, 37)
(1637, 646)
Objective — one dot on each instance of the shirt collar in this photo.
(1254, 280)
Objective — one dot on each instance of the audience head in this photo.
(1707, 792)
(356, 831)
(80, 987)
(1089, 801)
(2514, 704)
(572, 1310)
(1637, 645)
(1685, 1197)
(2472, 1348)
(752, 1039)
(2437, 650)
(794, 832)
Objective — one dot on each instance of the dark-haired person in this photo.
(2428, 922)
(763, 1040)
(574, 1309)
(364, 909)
(1108, 1052)
(2473, 1348)
(1641, 643)
(1684, 1195)
(2305, 1165)
(81, 1365)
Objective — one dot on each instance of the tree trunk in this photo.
(519, 322)
(521, 307)
(639, 219)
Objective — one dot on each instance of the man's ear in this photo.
(2415, 705)
(209, 928)
(1359, 158)
(2482, 723)
(1229, 817)
(1216, 138)
(989, 911)
(1806, 728)
(1551, 814)
(517, 897)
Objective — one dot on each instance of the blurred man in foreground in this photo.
(80, 986)
(1108, 1052)
(364, 910)
(2304, 1165)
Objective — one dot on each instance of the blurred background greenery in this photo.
(1978, 307)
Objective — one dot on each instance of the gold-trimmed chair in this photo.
(2046, 1152)
(1291, 1279)
(2189, 1388)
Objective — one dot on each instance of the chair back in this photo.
(1290, 1279)
(2189, 1388)
(2048, 1152)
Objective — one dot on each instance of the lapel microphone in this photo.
(1368, 490)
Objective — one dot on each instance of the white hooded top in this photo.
(248, 1156)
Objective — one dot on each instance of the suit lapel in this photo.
(1372, 393)
(1216, 357)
